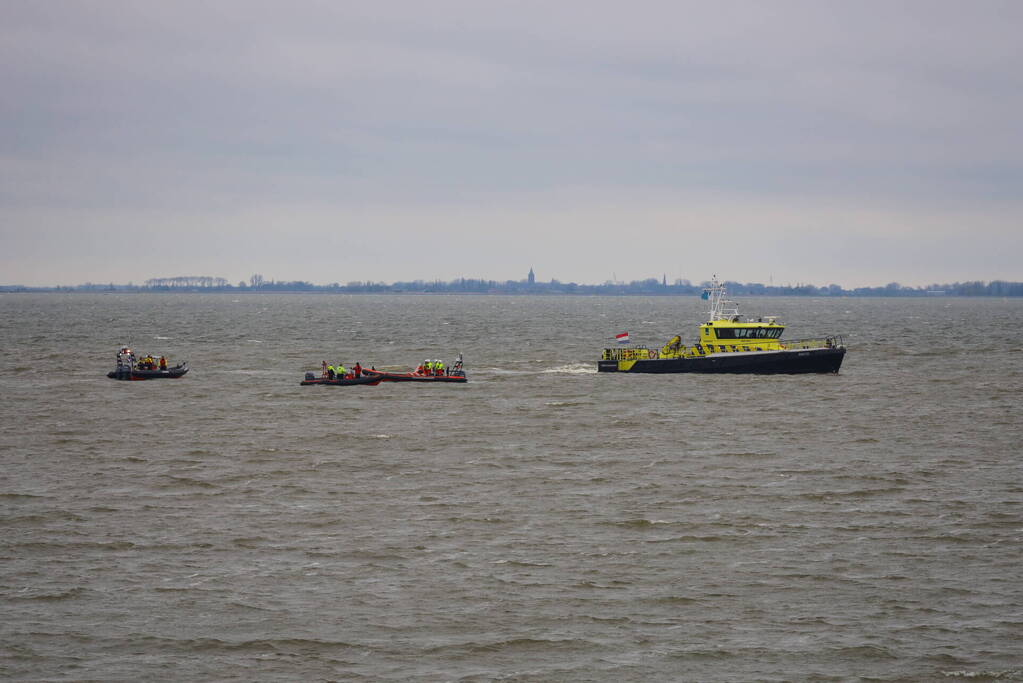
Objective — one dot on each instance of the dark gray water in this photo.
(540, 523)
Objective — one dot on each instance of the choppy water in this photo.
(541, 523)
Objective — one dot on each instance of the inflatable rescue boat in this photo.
(416, 377)
(310, 378)
(136, 374)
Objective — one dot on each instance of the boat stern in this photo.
(622, 359)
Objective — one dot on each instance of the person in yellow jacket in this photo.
(438, 366)
(429, 367)
(340, 370)
(330, 372)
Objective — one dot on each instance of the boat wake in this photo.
(572, 369)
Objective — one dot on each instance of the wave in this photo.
(672, 600)
(27, 594)
(693, 539)
(188, 481)
(702, 653)
(869, 652)
(301, 646)
(48, 516)
(1007, 674)
(640, 523)
(518, 645)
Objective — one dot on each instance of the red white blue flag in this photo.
(622, 338)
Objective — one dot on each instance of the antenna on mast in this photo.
(720, 307)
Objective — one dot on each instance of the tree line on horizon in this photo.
(648, 287)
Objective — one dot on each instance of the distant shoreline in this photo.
(652, 287)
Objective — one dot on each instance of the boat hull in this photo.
(412, 377)
(137, 375)
(365, 380)
(788, 362)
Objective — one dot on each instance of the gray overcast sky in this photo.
(848, 142)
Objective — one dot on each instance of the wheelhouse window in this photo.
(749, 332)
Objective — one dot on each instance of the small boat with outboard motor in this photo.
(310, 378)
(426, 372)
(347, 379)
(730, 343)
(131, 369)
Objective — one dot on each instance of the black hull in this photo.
(137, 375)
(366, 380)
(794, 362)
(408, 377)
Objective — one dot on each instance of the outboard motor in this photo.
(310, 375)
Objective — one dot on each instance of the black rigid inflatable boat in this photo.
(310, 378)
(137, 374)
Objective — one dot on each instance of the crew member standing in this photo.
(330, 372)
(357, 370)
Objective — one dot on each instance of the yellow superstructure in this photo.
(723, 336)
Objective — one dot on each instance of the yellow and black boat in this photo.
(731, 343)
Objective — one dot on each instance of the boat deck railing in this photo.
(629, 353)
(832, 341)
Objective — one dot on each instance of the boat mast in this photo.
(720, 307)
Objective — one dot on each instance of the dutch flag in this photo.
(622, 338)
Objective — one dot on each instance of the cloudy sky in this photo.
(856, 143)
